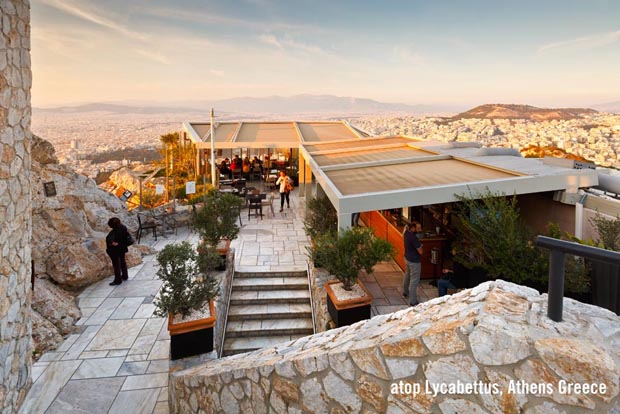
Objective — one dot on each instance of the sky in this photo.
(545, 53)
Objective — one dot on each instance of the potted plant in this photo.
(186, 298)
(216, 221)
(343, 256)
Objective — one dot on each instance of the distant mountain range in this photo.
(532, 113)
(330, 105)
(276, 105)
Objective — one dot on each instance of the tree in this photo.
(321, 217)
(344, 255)
(188, 281)
(217, 218)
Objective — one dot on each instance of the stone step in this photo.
(269, 311)
(260, 297)
(270, 283)
(269, 327)
(234, 346)
(297, 273)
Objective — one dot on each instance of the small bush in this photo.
(321, 217)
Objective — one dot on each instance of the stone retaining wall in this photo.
(318, 277)
(481, 348)
(15, 211)
(222, 300)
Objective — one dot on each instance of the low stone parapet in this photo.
(490, 349)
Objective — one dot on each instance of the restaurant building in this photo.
(394, 180)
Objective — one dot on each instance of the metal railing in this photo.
(559, 248)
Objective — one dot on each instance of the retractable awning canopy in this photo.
(395, 172)
(270, 134)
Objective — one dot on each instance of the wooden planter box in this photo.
(193, 337)
(349, 311)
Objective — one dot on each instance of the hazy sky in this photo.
(540, 52)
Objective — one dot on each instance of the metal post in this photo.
(556, 285)
(213, 180)
(140, 208)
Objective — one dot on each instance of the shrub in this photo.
(217, 218)
(608, 231)
(321, 217)
(344, 255)
(188, 281)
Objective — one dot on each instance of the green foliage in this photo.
(577, 279)
(608, 231)
(188, 281)
(494, 238)
(182, 157)
(150, 198)
(217, 218)
(321, 217)
(344, 255)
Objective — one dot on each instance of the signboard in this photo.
(159, 189)
(190, 187)
(49, 188)
(126, 195)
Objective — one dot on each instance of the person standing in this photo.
(413, 256)
(116, 247)
(286, 185)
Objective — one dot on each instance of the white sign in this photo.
(190, 187)
(159, 189)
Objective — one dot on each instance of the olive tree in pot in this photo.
(186, 298)
(344, 255)
(216, 222)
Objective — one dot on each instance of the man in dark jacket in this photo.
(413, 256)
(116, 247)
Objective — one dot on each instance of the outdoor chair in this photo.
(256, 173)
(255, 205)
(269, 203)
(145, 224)
(180, 219)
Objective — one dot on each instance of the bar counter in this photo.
(388, 229)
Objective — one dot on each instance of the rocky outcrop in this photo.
(68, 242)
(126, 178)
(69, 228)
(58, 306)
(490, 349)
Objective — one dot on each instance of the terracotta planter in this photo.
(222, 249)
(347, 312)
(192, 337)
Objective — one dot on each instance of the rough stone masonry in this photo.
(15, 213)
(490, 349)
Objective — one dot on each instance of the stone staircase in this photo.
(267, 308)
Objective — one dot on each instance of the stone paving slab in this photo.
(118, 362)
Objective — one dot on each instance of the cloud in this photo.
(287, 42)
(586, 42)
(94, 17)
(223, 20)
(154, 56)
(270, 39)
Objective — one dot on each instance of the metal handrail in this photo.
(310, 280)
(225, 325)
(558, 250)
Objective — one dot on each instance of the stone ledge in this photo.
(495, 335)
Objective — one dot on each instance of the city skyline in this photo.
(551, 54)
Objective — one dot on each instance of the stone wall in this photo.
(221, 302)
(490, 349)
(15, 214)
(318, 277)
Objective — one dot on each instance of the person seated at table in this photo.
(456, 276)
(246, 167)
(235, 164)
(224, 169)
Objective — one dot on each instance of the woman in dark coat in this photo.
(116, 247)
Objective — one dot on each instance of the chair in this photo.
(237, 173)
(269, 203)
(256, 173)
(145, 225)
(180, 219)
(270, 181)
(255, 205)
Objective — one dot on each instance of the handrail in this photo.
(310, 279)
(225, 325)
(559, 248)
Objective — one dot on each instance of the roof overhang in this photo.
(353, 190)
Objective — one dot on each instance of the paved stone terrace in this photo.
(117, 361)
